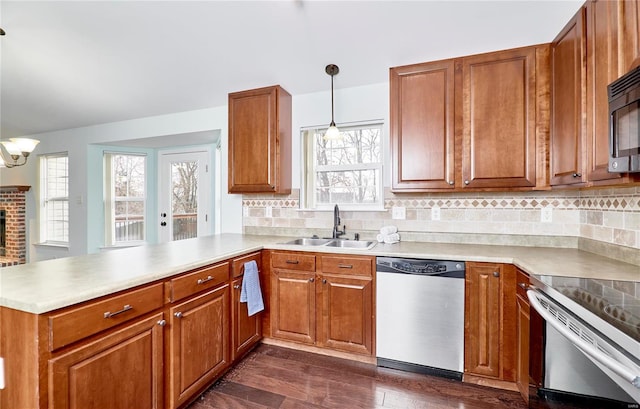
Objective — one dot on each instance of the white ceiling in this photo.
(67, 64)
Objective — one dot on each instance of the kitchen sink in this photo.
(351, 244)
(338, 243)
(308, 242)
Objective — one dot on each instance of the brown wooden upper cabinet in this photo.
(475, 122)
(260, 141)
(422, 141)
(568, 53)
(598, 45)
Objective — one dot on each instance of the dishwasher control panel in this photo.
(420, 266)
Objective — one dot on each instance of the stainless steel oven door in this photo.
(563, 370)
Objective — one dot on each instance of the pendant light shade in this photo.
(333, 133)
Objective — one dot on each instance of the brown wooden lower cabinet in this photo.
(156, 346)
(198, 344)
(326, 303)
(490, 324)
(121, 370)
(293, 301)
(523, 332)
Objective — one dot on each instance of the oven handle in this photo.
(587, 348)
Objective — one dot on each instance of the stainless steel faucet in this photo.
(336, 224)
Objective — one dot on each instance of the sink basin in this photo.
(309, 242)
(351, 244)
(338, 243)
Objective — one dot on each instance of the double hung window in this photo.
(346, 171)
(125, 198)
(54, 199)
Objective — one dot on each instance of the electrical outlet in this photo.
(435, 213)
(245, 211)
(398, 213)
(268, 212)
(546, 215)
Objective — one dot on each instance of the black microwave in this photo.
(624, 123)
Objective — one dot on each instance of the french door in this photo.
(184, 201)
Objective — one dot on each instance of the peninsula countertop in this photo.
(44, 286)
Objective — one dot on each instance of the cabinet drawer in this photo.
(347, 265)
(294, 261)
(197, 281)
(522, 282)
(81, 322)
(237, 265)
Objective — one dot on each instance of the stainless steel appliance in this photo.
(591, 345)
(624, 123)
(420, 315)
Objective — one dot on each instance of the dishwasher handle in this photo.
(588, 348)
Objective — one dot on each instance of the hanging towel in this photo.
(387, 230)
(250, 292)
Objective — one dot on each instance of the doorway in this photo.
(184, 194)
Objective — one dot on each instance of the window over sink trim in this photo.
(347, 172)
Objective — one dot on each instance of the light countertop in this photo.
(48, 285)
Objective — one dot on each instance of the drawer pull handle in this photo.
(345, 266)
(204, 280)
(293, 262)
(178, 314)
(113, 314)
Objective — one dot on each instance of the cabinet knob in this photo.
(162, 323)
(496, 274)
(577, 175)
(523, 285)
(236, 286)
(451, 182)
(324, 281)
(178, 315)
(466, 182)
(312, 279)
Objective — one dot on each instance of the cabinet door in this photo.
(522, 369)
(246, 329)
(198, 343)
(498, 120)
(482, 320)
(602, 69)
(628, 35)
(122, 370)
(347, 313)
(567, 124)
(422, 134)
(293, 306)
(260, 141)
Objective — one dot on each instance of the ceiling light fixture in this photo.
(333, 133)
(17, 147)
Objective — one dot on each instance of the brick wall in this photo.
(13, 201)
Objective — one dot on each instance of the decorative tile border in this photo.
(627, 200)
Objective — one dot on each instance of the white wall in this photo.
(351, 105)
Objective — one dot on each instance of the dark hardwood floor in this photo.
(275, 377)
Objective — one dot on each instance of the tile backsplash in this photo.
(600, 220)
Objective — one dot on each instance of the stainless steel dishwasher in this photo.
(420, 315)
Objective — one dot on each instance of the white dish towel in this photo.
(250, 292)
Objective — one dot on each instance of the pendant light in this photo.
(333, 133)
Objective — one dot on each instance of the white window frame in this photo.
(309, 169)
(47, 224)
(110, 200)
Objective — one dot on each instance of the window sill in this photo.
(64, 246)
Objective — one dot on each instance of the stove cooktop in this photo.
(616, 302)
